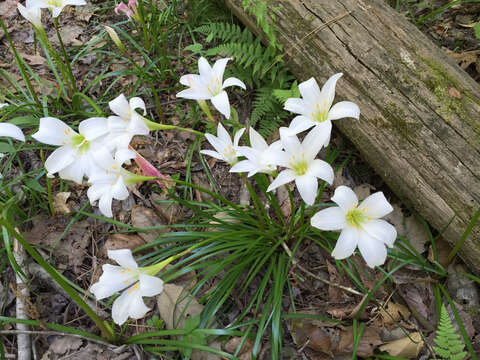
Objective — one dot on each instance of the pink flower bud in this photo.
(123, 8)
(149, 170)
(132, 4)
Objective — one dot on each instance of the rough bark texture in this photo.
(421, 136)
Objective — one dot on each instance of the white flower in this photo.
(3, 105)
(74, 158)
(258, 155)
(127, 123)
(315, 107)
(209, 85)
(110, 180)
(360, 224)
(55, 6)
(31, 12)
(299, 159)
(10, 130)
(117, 278)
(226, 150)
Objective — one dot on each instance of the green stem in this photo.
(203, 105)
(292, 216)
(19, 60)
(49, 186)
(156, 126)
(106, 333)
(65, 58)
(261, 211)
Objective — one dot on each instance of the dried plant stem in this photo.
(24, 342)
(309, 273)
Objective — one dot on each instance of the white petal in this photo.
(257, 141)
(213, 154)
(60, 159)
(137, 103)
(243, 166)
(373, 251)
(104, 158)
(344, 109)
(320, 169)
(345, 198)
(73, 172)
(150, 285)
(75, 2)
(12, 131)
(237, 137)
(217, 143)
(53, 132)
(119, 191)
(204, 68)
(93, 128)
(332, 218)
(96, 191)
(105, 204)
(296, 106)
(223, 134)
(291, 144)
(346, 243)
(123, 155)
(314, 141)
(222, 104)
(284, 177)
(129, 304)
(56, 11)
(121, 107)
(307, 187)
(279, 158)
(113, 279)
(328, 90)
(381, 230)
(123, 257)
(326, 128)
(300, 123)
(137, 126)
(219, 68)
(376, 206)
(232, 81)
(194, 94)
(310, 91)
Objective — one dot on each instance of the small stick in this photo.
(24, 342)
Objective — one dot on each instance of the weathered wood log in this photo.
(420, 112)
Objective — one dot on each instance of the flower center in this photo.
(80, 143)
(320, 114)
(214, 87)
(55, 3)
(355, 217)
(229, 153)
(300, 167)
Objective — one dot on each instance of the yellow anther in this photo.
(133, 288)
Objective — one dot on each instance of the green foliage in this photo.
(259, 8)
(258, 66)
(476, 29)
(450, 346)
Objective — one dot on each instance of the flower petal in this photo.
(315, 139)
(373, 251)
(346, 243)
(119, 191)
(310, 91)
(76, 170)
(53, 131)
(291, 144)
(96, 191)
(123, 155)
(284, 177)
(129, 304)
(237, 137)
(194, 94)
(320, 169)
(328, 90)
(93, 128)
(381, 230)
(345, 198)
(150, 285)
(344, 109)
(204, 69)
(376, 206)
(332, 218)
(113, 279)
(232, 81)
(105, 204)
(217, 144)
(121, 107)
(60, 159)
(223, 134)
(300, 123)
(296, 106)
(218, 69)
(213, 154)
(12, 131)
(137, 103)
(123, 257)
(307, 187)
(243, 166)
(222, 104)
(257, 141)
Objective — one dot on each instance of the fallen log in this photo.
(420, 112)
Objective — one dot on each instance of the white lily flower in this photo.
(56, 6)
(226, 150)
(139, 282)
(10, 130)
(360, 224)
(315, 107)
(32, 12)
(258, 155)
(110, 180)
(74, 158)
(299, 159)
(3, 105)
(209, 85)
(127, 123)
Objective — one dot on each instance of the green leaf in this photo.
(476, 30)
(34, 185)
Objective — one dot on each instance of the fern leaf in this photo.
(450, 346)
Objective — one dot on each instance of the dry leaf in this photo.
(62, 344)
(464, 59)
(245, 352)
(143, 217)
(60, 205)
(407, 347)
(394, 313)
(369, 341)
(8, 8)
(123, 241)
(452, 92)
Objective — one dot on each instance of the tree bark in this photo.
(420, 112)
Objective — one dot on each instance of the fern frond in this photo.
(450, 346)
(283, 95)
